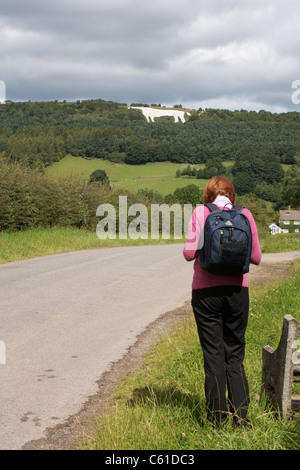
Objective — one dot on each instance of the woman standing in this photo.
(221, 303)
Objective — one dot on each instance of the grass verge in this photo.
(45, 241)
(280, 243)
(162, 405)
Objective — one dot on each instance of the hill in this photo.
(41, 133)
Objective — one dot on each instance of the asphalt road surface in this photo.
(65, 319)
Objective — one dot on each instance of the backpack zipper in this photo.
(221, 245)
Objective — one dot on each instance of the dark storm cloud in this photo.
(240, 54)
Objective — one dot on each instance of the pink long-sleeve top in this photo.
(194, 243)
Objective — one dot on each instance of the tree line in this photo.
(258, 174)
(34, 135)
(30, 198)
(40, 133)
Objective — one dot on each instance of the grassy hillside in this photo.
(158, 176)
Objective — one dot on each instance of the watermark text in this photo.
(296, 94)
(296, 354)
(2, 352)
(2, 91)
(136, 222)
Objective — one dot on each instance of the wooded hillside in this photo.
(34, 135)
(40, 133)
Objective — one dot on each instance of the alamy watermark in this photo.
(2, 91)
(2, 352)
(296, 94)
(296, 353)
(135, 221)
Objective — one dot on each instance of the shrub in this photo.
(28, 198)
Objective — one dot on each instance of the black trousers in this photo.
(221, 315)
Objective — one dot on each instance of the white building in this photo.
(274, 229)
(289, 220)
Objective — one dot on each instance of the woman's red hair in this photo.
(218, 185)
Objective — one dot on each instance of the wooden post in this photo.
(278, 368)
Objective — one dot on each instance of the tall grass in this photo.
(15, 245)
(33, 242)
(280, 243)
(162, 406)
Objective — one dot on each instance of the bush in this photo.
(99, 176)
(190, 194)
(28, 198)
(244, 183)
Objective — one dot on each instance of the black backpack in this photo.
(227, 241)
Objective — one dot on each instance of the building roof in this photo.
(289, 214)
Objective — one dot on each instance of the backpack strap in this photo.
(212, 207)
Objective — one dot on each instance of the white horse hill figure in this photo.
(151, 113)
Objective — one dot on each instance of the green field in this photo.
(159, 177)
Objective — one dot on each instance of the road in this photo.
(65, 319)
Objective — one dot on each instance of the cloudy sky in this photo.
(229, 54)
